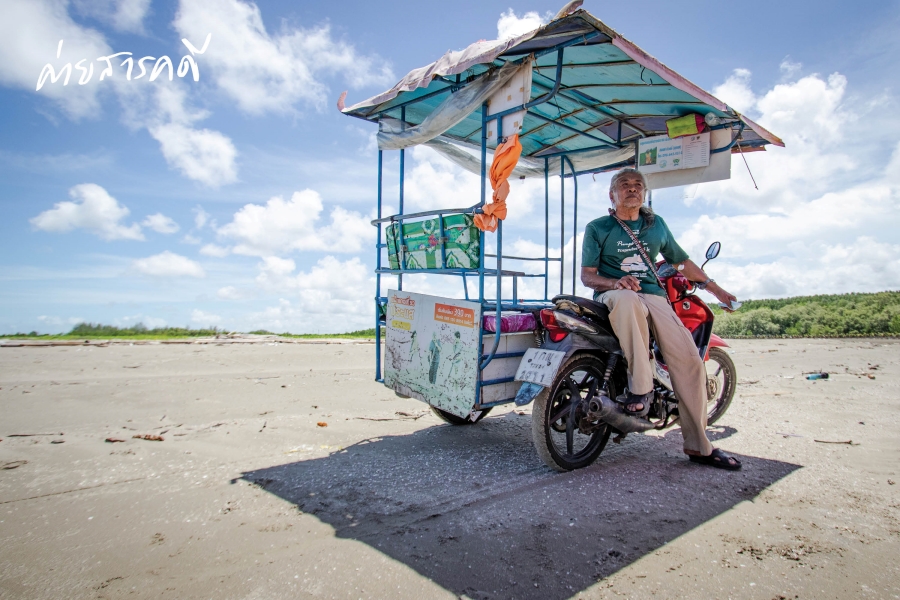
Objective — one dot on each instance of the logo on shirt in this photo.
(633, 264)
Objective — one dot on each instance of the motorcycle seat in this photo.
(595, 311)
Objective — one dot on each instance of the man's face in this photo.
(628, 192)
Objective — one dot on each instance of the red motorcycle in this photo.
(574, 416)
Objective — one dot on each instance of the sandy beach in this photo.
(285, 471)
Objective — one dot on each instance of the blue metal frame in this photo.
(483, 271)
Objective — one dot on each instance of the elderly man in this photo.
(613, 267)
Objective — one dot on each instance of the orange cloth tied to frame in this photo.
(505, 158)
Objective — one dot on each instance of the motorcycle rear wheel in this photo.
(721, 381)
(447, 417)
(555, 434)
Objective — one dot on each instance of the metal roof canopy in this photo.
(591, 87)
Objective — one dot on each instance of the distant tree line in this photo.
(95, 330)
(814, 316)
(140, 331)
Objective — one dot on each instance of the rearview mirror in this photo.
(713, 250)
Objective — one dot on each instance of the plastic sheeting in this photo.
(451, 63)
(510, 322)
(450, 112)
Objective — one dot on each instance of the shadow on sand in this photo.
(474, 510)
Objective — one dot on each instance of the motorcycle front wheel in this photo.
(721, 379)
(556, 412)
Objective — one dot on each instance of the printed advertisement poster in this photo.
(660, 153)
(431, 349)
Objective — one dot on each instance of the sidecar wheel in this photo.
(721, 380)
(452, 419)
(556, 436)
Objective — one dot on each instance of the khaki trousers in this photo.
(632, 316)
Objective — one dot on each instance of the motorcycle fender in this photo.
(715, 342)
(527, 392)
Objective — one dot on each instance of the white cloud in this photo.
(123, 15)
(30, 31)
(332, 297)
(203, 155)
(201, 217)
(168, 264)
(160, 223)
(282, 226)
(510, 25)
(821, 154)
(826, 217)
(273, 271)
(146, 321)
(790, 68)
(205, 319)
(736, 92)
(230, 292)
(215, 251)
(93, 210)
(190, 239)
(153, 322)
(264, 72)
(57, 324)
(862, 265)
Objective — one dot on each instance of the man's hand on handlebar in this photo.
(629, 282)
(720, 294)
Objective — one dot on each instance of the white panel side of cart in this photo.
(431, 349)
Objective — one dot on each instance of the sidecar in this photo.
(582, 100)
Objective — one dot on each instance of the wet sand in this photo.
(284, 471)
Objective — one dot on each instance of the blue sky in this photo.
(242, 200)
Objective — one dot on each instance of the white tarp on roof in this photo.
(456, 107)
(451, 63)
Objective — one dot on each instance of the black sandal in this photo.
(717, 459)
(643, 400)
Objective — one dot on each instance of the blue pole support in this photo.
(400, 212)
(546, 227)
(574, 223)
(562, 223)
(378, 280)
(484, 109)
(443, 242)
(498, 306)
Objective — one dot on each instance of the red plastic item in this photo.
(548, 320)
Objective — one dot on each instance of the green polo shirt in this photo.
(608, 249)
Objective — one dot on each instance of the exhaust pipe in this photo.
(603, 408)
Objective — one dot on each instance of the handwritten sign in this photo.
(539, 366)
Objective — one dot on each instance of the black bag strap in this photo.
(641, 251)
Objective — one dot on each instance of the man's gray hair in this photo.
(628, 171)
(646, 211)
